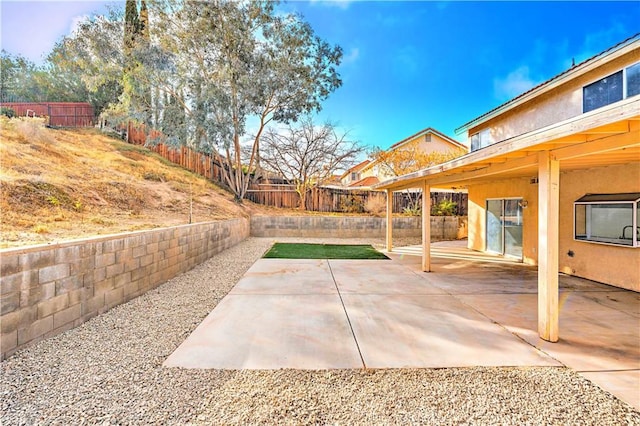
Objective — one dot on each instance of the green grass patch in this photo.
(323, 251)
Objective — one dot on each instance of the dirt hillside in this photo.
(58, 185)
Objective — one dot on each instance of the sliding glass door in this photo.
(504, 227)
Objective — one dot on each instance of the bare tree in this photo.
(307, 154)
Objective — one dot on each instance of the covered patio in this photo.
(605, 138)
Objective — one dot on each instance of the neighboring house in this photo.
(366, 183)
(426, 141)
(354, 174)
(554, 178)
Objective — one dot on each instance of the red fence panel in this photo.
(60, 114)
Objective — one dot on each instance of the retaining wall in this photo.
(48, 289)
(442, 227)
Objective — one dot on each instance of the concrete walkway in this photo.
(472, 310)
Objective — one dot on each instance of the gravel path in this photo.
(109, 371)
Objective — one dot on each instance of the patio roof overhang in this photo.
(606, 136)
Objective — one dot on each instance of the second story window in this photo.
(481, 139)
(633, 80)
(613, 88)
(427, 137)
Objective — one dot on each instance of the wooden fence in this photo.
(199, 163)
(347, 200)
(285, 196)
(59, 114)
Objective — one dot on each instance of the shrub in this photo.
(7, 112)
(376, 205)
(351, 204)
(41, 229)
(444, 208)
(412, 211)
(154, 176)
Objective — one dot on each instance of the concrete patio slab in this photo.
(271, 332)
(287, 276)
(593, 337)
(379, 277)
(412, 331)
(471, 310)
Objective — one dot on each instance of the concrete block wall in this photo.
(48, 289)
(442, 227)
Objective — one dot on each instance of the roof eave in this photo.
(588, 65)
(623, 110)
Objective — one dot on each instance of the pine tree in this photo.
(143, 22)
(131, 25)
(143, 36)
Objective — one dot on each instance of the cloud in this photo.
(515, 83)
(340, 4)
(351, 56)
(596, 42)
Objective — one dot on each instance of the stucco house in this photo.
(354, 174)
(427, 141)
(553, 178)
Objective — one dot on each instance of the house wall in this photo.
(437, 144)
(559, 104)
(507, 188)
(590, 260)
(615, 265)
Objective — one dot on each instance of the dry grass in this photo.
(62, 184)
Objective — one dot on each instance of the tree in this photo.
(408, 159)
(131, 25)
(307, 154)
(224, 65)
(20, 79)
(240, 62)
(66, 84)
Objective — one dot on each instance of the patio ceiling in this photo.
(607, 136)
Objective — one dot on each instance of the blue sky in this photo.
(407, 65)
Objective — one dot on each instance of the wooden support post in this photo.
(389, 220)
(426, 227)
(548, 211)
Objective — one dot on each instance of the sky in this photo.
(407, 65)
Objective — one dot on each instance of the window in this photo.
(608, 219)
(633, 80)
(481, 139)
(427, 137)
(354, 176)
(611, 88)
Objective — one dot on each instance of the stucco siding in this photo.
(560, 104)
(507, 188)
(437, 144)
(614, 265)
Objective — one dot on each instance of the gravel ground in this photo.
(109, 371)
